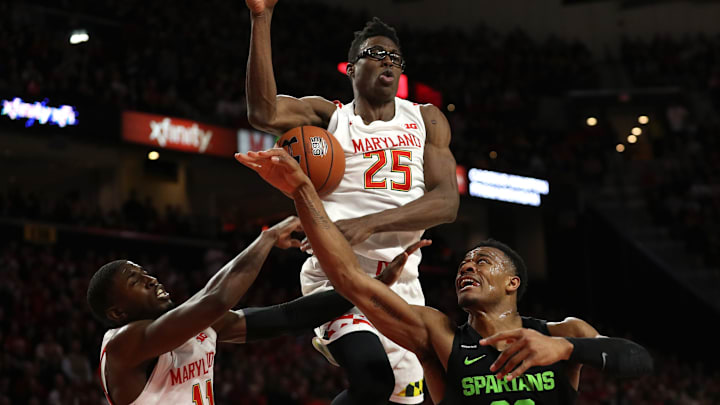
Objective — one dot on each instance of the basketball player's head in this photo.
(121, 292)
(490, 274)
(375, 62)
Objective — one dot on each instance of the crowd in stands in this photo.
(79, 210)
(54, 358)
(681, 186)
(189, 62)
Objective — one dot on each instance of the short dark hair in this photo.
(100, 287)
(516, 260)
(373, 28)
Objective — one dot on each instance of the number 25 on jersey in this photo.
(398, 159)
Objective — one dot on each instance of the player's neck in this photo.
(374, 111)
(488, 323)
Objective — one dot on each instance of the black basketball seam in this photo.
(307, 166)
(332, 160)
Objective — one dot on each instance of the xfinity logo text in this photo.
(39, 112)
(164, 132)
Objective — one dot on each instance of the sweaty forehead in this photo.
(489, 251)
(385, 42)
(129, 269)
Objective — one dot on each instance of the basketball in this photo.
(319, 154)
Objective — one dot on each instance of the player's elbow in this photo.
(259, 119)
(217, 303)
(450, 208)
(635, 362)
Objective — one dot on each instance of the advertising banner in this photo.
(178, 134)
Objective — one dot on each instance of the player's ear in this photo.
(513, 284)
(350, 70)
(116, 315)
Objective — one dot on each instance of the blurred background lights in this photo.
(643, 119)
(636, 131)
(591, 121)
(153, 155)
(632, 138)
(78, 37)
(620, 148)
(451, 107)
(493, 154)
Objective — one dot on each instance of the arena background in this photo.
(626, 238)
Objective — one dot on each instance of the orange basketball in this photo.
(319, 154)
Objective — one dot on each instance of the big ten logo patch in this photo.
(201, 337)
(318, 145)
(411, 126)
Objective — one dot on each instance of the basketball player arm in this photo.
(573, 340)
(149, 338)
(296, 316)
(389, 313)
(617, 356)
(440, 202)
(268, 111)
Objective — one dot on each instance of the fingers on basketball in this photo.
(319, 155)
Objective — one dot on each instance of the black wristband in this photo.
(295, 316)
(617, 356)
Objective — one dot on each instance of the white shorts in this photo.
(409, 384)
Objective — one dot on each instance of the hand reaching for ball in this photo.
(277, 168)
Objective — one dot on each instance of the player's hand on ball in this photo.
(259, 6)
(277, 168)
(527, 348)
(392, 271)
(282, 232)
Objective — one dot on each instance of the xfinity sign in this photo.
(507, 187)
(39, 112)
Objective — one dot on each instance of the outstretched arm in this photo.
(146, 339)
(266, 110)
(251, 324)
(389, 313)
(440, 202)
(573, 340)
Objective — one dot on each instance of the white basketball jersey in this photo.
(182, 376)
(383, 170)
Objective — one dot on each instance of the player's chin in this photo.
(163, 307)
(386, 90)
(467, 301)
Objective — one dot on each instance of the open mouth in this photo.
(160, 292)
(466, 282)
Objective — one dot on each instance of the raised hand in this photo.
(528, 348)
(392, 271)
(283, 230)
(259, 6)
(277, 168)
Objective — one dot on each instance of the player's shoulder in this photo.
(435, 319)
(571, 327)
(320, 104)
(125, 336)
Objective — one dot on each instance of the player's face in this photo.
(482, 277)
(377, 79)
(139, 295)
